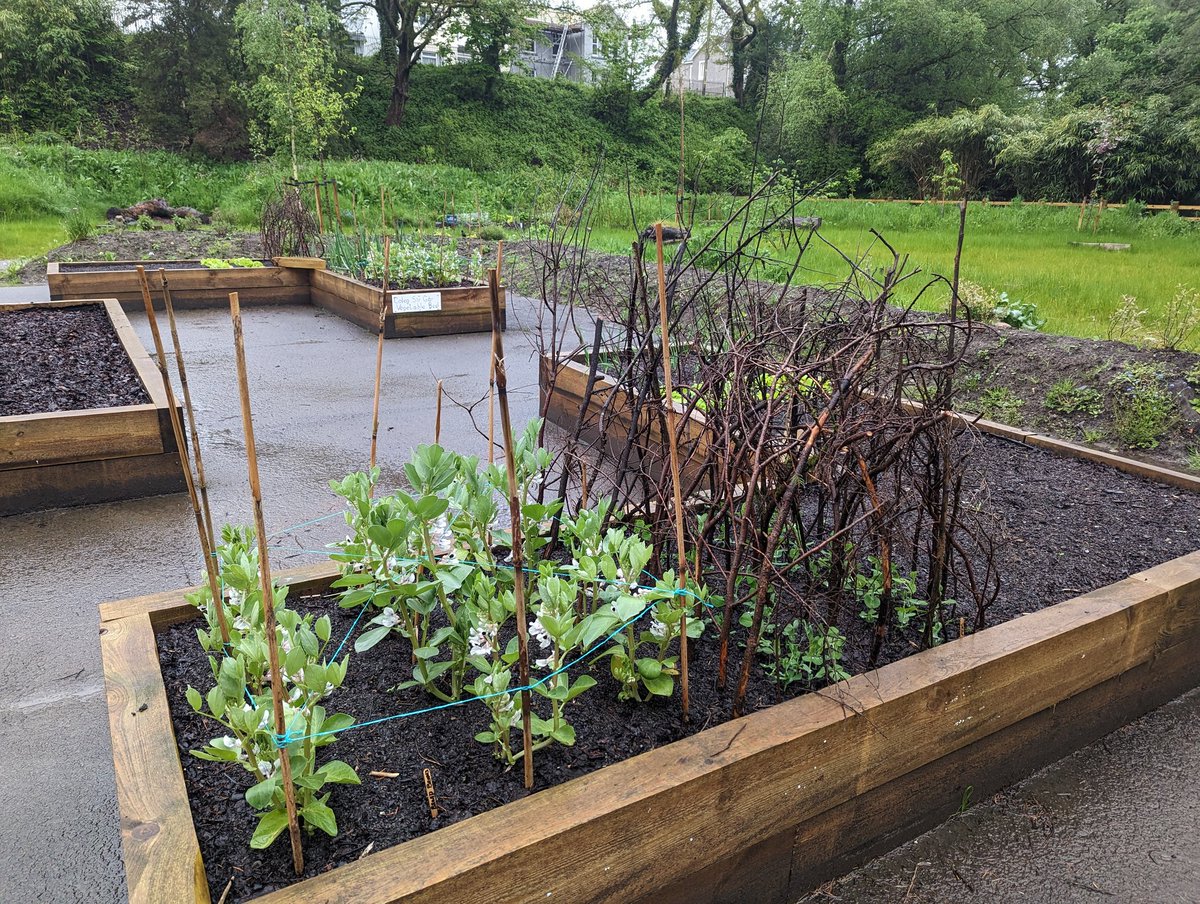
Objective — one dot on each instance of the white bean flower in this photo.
(539, 633)
(241, 624)
(388, 618)
(483, 639)
(657, 628)
(545, 662)
(266, 768)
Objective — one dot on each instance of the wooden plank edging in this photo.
(627, 830)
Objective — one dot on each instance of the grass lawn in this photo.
(30, 238)
(1024, 251)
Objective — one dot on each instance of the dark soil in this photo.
(64, 359)
(1070, 526)
(415, 284)
(130, 243)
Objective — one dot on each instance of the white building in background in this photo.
(559, 48)
(567, 48)
(707, 70)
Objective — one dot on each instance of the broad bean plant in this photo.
(434, 564)
(240, 699)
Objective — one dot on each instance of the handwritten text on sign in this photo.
(414, 302)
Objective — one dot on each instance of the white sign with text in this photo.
(415, 302)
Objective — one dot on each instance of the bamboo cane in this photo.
(201, 482)
(210, 568)
(264, 572)
(382, 211)
(437, 423)
(337, 209)
(383, 310)
(492, 375)
(673, 446)
(514, 508)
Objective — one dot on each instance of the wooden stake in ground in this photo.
(437, 423)
(514, 509)
(383, 313)
(337, 210)
(673, 446)
(210, 565)
(492, 373)
(264, 573)
(201, 482)
(317, 195)
(382, 211)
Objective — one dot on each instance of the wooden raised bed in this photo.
(191, 287)
(562, 393)
(91, 455)
(759, 809)
(609, 412)
(412, 312)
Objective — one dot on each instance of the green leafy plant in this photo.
(1146, 409)
(800, 652)
(1020, 314)
(78, 225)
(1180, 318)
(240, 700)
(1067, 397)
(1000, 404)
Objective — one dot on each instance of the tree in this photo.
(185, 55)
(406, 29)
(296, 95)
(61, 61)
(494, 33)
(680, 22)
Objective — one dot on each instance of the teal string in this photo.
(286, 739)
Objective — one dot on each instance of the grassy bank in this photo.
(1024, 250)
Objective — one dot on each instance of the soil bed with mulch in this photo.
(64, 359)
(1068, 526)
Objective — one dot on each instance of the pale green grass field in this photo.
(30, 238)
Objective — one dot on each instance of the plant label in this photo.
(414, 302)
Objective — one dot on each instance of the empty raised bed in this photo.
(84, 417)
(192, 283)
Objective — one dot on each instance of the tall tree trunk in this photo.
(405, 47)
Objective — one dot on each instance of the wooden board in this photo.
(190, 287)
(91, 455)
(844, 762)
(465, 309)
(609, 413)
(162, 856)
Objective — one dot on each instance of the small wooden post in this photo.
(201, 482)
(210, 565)
(437, 424)
(264, 573)
(337, 209)
(383, 312)
(382, 211)
(1082, 211)
(673, 446)
(514, 508)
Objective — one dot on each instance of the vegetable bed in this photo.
(83, 417)
(803, 788)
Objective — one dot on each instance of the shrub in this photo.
(1181, 318)
(1146, 410)
(1125, 324)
